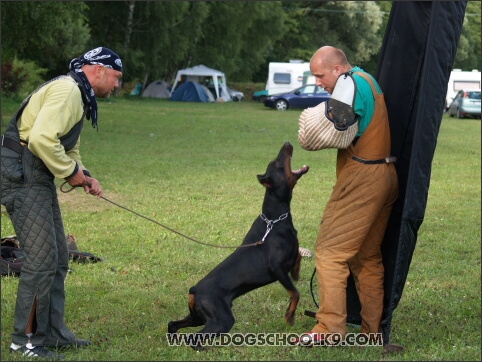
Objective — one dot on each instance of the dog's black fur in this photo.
(252, 266)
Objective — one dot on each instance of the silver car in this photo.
(465, 104)
(236, 95)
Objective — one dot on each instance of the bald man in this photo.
(356, 215)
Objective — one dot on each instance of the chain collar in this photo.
(270, 223)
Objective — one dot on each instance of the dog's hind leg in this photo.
(219, 319)
(189, 321)
(217, 314)
(192, 320)
(290, 311)
(212, 329)
(285, 280)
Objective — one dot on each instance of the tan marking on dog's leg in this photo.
(290, 312)
(191, 302)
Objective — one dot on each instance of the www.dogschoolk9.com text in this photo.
(274, 339)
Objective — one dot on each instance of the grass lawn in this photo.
(193, 167)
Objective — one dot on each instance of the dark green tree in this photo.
(152, 37)
(352, 26)
(157, 38)
(468, 50)
(48, 33)
(237, 36)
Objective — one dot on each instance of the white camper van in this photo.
(284, 77)
(461, 80)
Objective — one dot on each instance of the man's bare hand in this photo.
(92, 186)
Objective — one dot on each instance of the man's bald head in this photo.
(326, 64)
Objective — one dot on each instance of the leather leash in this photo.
(268, 222)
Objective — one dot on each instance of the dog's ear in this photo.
(266, 181)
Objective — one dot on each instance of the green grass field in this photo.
(193, 167)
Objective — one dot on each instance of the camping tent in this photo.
(197, 73)
(191, 92)
(208, 93)
(416, 58)
(157, 89)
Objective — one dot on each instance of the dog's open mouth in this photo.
(285, 155)
(301, 171)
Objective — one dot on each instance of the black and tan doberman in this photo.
(273, 258)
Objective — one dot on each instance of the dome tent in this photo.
(191, 92)
(157, 89)
(196, 73)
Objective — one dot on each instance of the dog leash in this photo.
(269, 223)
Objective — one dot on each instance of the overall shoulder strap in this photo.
(369, 80)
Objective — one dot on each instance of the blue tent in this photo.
(189, 92)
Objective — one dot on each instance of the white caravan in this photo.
(284, 77)
(461, 80)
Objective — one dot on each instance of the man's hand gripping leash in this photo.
(89, 184)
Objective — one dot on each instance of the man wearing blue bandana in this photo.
(41, 143)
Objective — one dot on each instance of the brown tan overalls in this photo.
(353, 227)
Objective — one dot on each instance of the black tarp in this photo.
(414, 67)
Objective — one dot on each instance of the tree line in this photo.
(156, 38)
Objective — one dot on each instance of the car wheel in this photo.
(460, 115)
(261, 99)
(281, 105)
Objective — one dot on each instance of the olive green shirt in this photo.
(50, 114)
